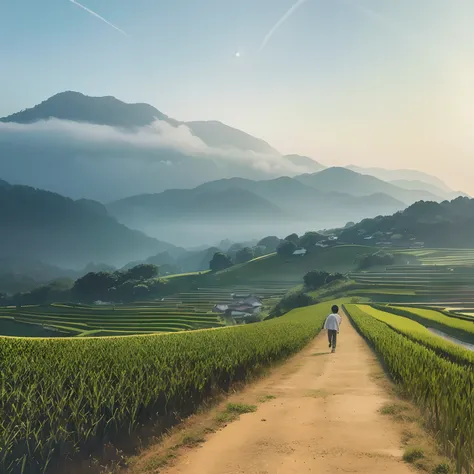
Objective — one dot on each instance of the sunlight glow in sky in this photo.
(370, 82)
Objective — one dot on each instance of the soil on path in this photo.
(325, 419)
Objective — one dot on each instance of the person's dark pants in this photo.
(332, 337)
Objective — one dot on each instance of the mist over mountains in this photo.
(104, 149)
(131, 166)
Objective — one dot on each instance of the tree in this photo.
(375, 260)
(258, 251)
(293, 238)
(315, 279)
(310, 239)
(144, 271)
(286, 249)
(244, 255)
(270, 243)
(335, 277)
(94, 286)
(220, 261)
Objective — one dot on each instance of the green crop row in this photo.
(451, 325)
(58, 395)
(421, 334)
(443, 390)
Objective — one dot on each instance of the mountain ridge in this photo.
(108, 110)
(39, 225)
(358, 184)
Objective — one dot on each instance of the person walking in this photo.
(332, 324)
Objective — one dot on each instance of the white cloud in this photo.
(106, 163)
(158, 135)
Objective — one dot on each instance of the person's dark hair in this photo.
(335, 308)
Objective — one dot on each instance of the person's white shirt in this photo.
(333, 321)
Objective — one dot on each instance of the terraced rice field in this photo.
(181, 312)
(444, 286)
(442, 256)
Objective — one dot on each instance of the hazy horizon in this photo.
(364, 82)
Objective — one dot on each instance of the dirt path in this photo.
(324, 419)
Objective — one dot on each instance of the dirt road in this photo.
(324, 419)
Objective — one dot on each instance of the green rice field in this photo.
(181, 312)
(436, 374)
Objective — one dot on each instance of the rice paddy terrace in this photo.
(444, 278)
(180, 312)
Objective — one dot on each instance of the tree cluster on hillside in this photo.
(446, 224)
(136, 283)
(300, 297)
(308, 241)
(316, 279)
(375, 260)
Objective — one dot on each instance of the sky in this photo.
(369, 82)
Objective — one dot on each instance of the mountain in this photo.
(306, 162)
(78, 107)
(405, 175)
(447, 224)
(40, 225)
(421, 185)
(356, 184)
(195, 204)
(105, 149)
(218, 135)
(243, 209)
(108, 110)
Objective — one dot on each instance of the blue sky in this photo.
(372, 82)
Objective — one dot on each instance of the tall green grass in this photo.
(60, 395)
(443, 390)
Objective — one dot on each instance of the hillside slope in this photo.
(446, 224)
(273, 267)
(40, 225)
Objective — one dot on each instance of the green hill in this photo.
(292, 269)
(437, 225)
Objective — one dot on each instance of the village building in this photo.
(300, 252)
(241, 309)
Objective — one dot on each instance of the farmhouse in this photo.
(242, 308)
(301, 252)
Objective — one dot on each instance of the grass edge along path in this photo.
(420, 334)
(442, 389)
(60, 395)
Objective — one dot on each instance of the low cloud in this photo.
(104, 162)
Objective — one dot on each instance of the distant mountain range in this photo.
(104, 149)
(400, 174)
(356, 184)
(44, 226)
(271, 206)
